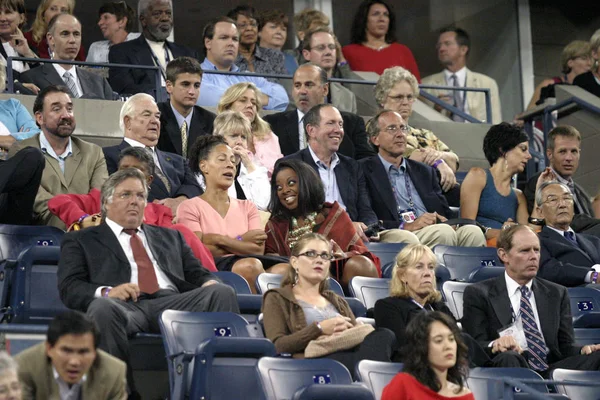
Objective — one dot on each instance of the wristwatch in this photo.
(536, 221)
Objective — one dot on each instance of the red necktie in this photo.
(146, 276)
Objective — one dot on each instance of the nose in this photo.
(528, 155)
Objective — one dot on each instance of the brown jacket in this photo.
(285, 322)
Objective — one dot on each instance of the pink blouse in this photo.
(267, 151)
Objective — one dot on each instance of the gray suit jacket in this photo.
(93, 86)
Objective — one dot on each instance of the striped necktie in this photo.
(68, 78)
(184, 139)
(158, 172)
(458, 102)
(535, 341)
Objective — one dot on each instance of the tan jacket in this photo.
(84, 170)
(285, 322)
(341, 98)
(105, 380)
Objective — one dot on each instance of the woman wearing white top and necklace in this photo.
(14, 44)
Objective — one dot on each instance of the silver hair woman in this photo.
(10, 387)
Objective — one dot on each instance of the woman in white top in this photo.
(14, 44)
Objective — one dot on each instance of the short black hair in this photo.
(245, 10)
(38, 103)
(358, 33)
(201, 149)
(462, 37)
(71, 323)
(140, 154)
(500, 139)
(183, 65)
(209, 29)
(120, 9)
(311, 192)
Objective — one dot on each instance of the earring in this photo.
(295, 277)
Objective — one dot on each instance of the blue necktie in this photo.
(570, 236)
(535, 340)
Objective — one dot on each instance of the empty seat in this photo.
(576, 392)
(369, 290)
(461, 261)
(453, 293)
(15, 238)
(488, 384)
(333, 392)
(585, 307)
(234, 280)
(387, 253)
(483, 273)
(585, 336)
(377, 374)
(267, 281)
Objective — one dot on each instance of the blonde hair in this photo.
(409, 257)
(231, 121)
(260, 127)
(388, 80)
(577, 48)
(307, 17)
(39, 26)
(290, 277)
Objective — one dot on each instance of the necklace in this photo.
(383, 46)
(297, 231)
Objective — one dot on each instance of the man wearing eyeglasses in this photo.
(567, 258)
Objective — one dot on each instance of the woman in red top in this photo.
(374, 46)
(435, 363)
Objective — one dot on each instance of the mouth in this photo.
(228, 175)
(290, 199)
(335, 139)
(449, 357)
(318, 269)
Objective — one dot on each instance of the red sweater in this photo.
(363, 58)
(406, 387)
(70, 207)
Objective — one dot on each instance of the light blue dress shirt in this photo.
(327, 174)
(398, 183)
(47, 149)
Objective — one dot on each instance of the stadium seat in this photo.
(266, 281)
(487, 383)
(211, 355)
(453, 292)
(387, 253)
(576, 392)
(461, 261)
(15, 238)
(333, 392)
(441, 275)
(377, 374)
(234, 280)
(282, 377)
(585, 336)
(369, 290)
(483, 273)
(585, 307)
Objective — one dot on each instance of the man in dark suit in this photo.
(406, 194)
(124, 273)
(568, 259)
(541, 308)
(140, 121)
(181, 120)
(311, 88)
(563, 151)
(151, 48)
(64, 37)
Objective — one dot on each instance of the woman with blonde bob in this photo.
(262, 143)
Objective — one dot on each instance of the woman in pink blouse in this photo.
(229, 227)
(264, 144)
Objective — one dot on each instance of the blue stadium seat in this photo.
(333, 392)
(585, 336)
(460, 176)
(377, 374)
(234, 280)
(442, 274)
(585, 307)
(453, 293)
(483, 273)
(576, 392)
(15, 238)
(369, 290)
(282, 377)
(387, 253)
(266, 281)
(487, 384)
(211, 355)
(358, 308)
(461, 261)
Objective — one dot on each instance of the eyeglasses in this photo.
(313, 254)
(393, 129)
(400, 98)
(322, 47)
(554, 200)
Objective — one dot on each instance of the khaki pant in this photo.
(465, 236)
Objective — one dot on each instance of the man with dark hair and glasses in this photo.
(567, 258)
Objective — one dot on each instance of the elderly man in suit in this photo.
(568, 258)
(406, 194)
(140, 122)
(181, 120)
(310, 89)
(453, 48)
(68, 365)
(151, 48)
(523, 320)
(72, 165)
(64, 38)
(143, 270)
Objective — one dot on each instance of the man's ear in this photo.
(169, 86)
(39, 118)
(326, 89)
(502, 255)
(306, 54)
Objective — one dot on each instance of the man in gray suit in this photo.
(64, 39)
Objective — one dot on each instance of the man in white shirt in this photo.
(523, 320)
(64, 38)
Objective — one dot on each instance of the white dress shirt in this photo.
(46, 148)
(327, 174)
(66, 392)
(514, 294)
(135, 143)
(73, 71)
(301, 133)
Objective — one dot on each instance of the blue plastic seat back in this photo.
(441, 275)
(358, 308)
(267, 281)
(585, 307)
(461, 261)
(585, 336)
(574, 391)
(487, 384)
(234, 280)
(483, 273)
(377, 374)
(15, 238)
(282, 377)
(386, 252)
(333, 392)
(453, 293)
(369, 290)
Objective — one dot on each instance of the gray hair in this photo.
(7, 363)
(108, 189)
(129, 108)
(389, 78)
(538, 193)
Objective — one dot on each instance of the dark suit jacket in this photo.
(351, 184)
(175, 168)
(92, 85)
(354, 145)
(382, 197)
(487, 308)
(93, 257)
(562, 262)
(170, 134)
(137, 52)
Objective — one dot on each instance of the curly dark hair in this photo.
(201, 149)
(415, 352)
(311, 192)
(358, 32)
(500, 139)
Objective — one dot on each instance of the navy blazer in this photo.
(170, 134)
(382, 197)
(564, 263)
(175, 168)
(137, 52)
(351, 184)
(487, 309)
(355, 143)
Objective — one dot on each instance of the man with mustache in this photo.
(72, 165)
(151, 48)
